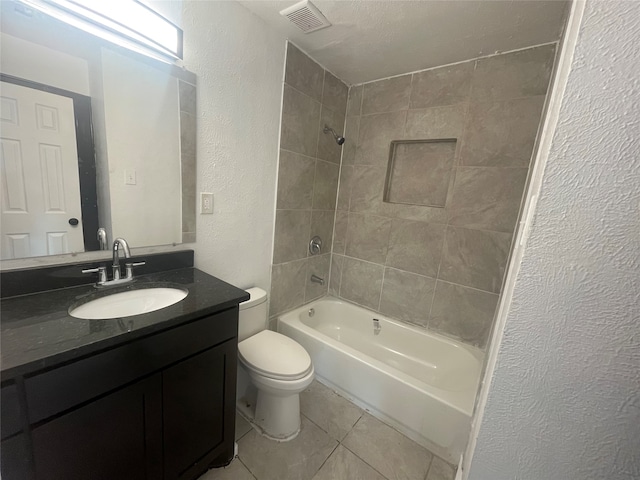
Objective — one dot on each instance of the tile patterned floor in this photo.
(338, 441)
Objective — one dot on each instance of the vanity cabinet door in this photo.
(116, 436)
(199, 412)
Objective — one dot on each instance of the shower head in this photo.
(339, 138)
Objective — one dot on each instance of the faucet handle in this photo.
(129, 268)
(101, 271)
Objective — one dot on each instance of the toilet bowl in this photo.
(273, 370)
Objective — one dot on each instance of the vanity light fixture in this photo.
(128, 23)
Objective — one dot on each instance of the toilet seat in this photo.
(275, 356)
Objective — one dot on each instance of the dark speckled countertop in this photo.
(37, 331)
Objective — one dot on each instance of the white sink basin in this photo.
(126, 304)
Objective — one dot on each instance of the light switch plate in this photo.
(206, 203)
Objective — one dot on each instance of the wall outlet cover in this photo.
(206, 203)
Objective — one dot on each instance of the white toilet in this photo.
(273, 369)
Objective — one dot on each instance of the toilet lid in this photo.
(275, 356)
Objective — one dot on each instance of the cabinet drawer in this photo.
(14, 458)
(60, 389)
(10, 420)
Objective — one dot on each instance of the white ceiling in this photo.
(373, 39)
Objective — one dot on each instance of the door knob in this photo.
(73, 222)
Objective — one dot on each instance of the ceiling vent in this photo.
(306, 16)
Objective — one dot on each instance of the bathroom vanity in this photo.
(147, 396)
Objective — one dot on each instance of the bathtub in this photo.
(421, 383)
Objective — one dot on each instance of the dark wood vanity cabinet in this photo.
(158, 407)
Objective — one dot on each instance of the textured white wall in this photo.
(239, 62)
(564, 398)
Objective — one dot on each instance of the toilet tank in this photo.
(253, 314)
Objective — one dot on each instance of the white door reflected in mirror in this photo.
(41, 190)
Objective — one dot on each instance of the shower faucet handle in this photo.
(315, 245)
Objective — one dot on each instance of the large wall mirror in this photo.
(97, 141)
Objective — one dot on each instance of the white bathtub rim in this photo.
(477, 353)
(291, 318)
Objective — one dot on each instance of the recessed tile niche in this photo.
(419, 171)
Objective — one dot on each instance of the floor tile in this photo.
(242, 427)
(344, 465)
(441, 470)
(299, 459)
(331, 412)
(388, 451)
(235, 471)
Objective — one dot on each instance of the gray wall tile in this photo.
(325, 186)
(415, 246)
(334, 94)
(354, 102)
(287, 286)
(388, 95)
(520, 74)
(336, 274)
(188, 211)
(328, 148)
(375, 135)
(495, 130)
(188, 135)
(368, 237)
(420, 173)
(407, 296)
(188, 237)
(303, 74)
(322, 225)
(291, 235)
(188, 142)
(300, 119)
(361, 282)
(188, 95)
(367, 188)
(351, 130)
(295, 181)
(344, 187)
(317, 265)
(463, 312)
(501, 133)
(442, 86)
(436, 122)
(487, 198)
(340, 232)
(475, 258)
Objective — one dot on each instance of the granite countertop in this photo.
(37, 331)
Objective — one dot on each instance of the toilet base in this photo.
(246, 410)
(273, 412)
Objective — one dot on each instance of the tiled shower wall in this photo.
(440, 268)
(307, 180)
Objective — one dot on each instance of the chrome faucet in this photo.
(118, 245)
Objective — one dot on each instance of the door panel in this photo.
(196, 411)
(40, 180)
